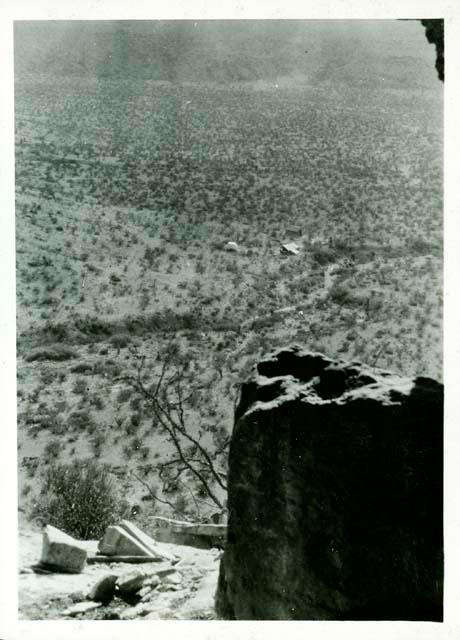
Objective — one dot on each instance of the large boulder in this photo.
(335, 494)
(61, 552)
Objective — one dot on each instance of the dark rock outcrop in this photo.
(335, 495)
(434, 31)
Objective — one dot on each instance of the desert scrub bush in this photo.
(82, 498)
(31, 468)
(341, 294)
(97, 441)
(135, 403)
(82, 367)
(80, 420)
(54, 424)
(47, 376)
(324, 256)
(97, 402)
(135, 420)
(120, 341)
(124, 395)
(50, 301)
(52, 449)
(80, 386)
(92, 327)
(106, 368)
(419, 246)
(54, 352)
(26, 490)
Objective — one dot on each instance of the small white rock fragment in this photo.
(172, 578)
(81, 607)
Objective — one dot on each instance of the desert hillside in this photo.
(142, 149)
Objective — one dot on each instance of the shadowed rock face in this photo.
(335, 495)
(434, 31)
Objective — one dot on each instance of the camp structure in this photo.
(290, 248)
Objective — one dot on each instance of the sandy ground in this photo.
(50, 596)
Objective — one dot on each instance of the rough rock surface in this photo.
(335, 495)
(61, 552)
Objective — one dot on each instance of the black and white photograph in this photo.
(229, 293)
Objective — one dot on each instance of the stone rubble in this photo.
(126, 539)
(61, 552)
(114, 590)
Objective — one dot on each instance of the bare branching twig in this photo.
(167, 399)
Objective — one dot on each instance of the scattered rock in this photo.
(165, 571)
(145, 593)
(130, 583)
(48, 597)
(61, 552)
(153, 615)
(335, 495)
(77, 596)
(81, 607)
(111, 615)
(138, 611)
(172, 578)
(104, 589)
(152, 581)
(168, 587)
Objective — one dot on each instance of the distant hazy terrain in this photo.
(353, 52)
(142, 148)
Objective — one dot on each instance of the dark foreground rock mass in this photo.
(335, 495)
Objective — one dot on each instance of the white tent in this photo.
(290, 247)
